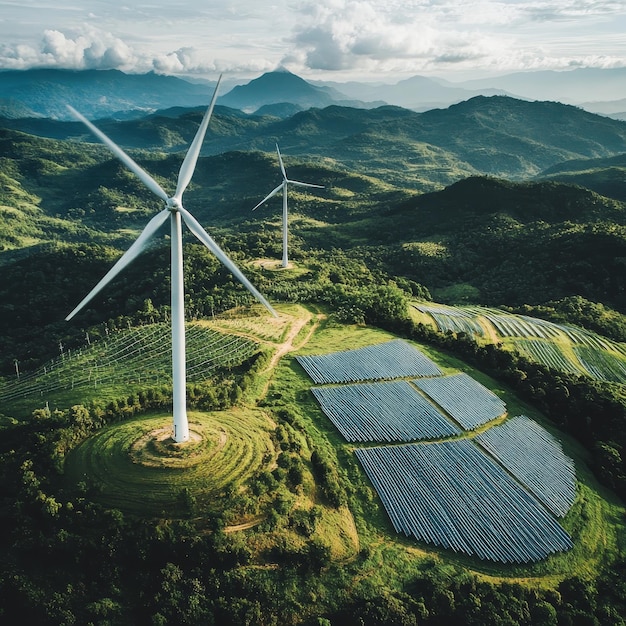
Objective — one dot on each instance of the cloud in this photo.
(351, 37)
(439, 35)
(357, 34)
(91, 49)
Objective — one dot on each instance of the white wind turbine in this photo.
(286, 182)
(177, 214)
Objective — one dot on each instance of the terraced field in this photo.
(137, 468)
(558, 346)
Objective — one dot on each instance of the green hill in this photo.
(514, 243)
(276, 517)
(605, 176)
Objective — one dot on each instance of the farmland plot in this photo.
(452, 495)
(451, 319)
(548, 354)
(602, 364)
(141, 354)
(387, 411)
(392, 359)
(467, 401)
(536, 459)
(515, 325)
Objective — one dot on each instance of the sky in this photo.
(324, 39)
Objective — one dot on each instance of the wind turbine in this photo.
(177, 214)
(286, 182)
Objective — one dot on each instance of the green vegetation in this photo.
(284, 492)
(138, 470)
(266, 516)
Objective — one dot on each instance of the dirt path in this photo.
(255, 521)
(288, 344)
(294, 331)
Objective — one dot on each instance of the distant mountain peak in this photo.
(273, 88)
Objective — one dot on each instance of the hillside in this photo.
(497, 136)
(98, 92)
(605, 176)
(513, 243)
(278, 88)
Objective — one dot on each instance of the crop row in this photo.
(138, 355)
(451, 494)
(601, 364)
(392, 359)
(467, 401)
(383, 411)
(517, 326)
(536, 459)
(548, 354)
(456, 320)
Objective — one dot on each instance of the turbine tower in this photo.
(177, 214)
(286, 182)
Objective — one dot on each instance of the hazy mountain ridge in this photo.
(273, 88)
(497, 135)
(98, 93)
(567, 86)
(111, 93)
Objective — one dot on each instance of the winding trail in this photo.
(288, 344)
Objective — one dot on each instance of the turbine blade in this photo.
(269, 195)
(195, 227)
(191, 158)
(280, 161)
(147, 180)
(299, 184)
(130, 255)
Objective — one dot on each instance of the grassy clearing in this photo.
(135, 468)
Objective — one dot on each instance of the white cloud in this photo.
(433, 36)
(90, 50)
(314, 37)
(351, 34)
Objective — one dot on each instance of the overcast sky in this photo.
(324, 39)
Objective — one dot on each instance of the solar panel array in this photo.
(383, 411)
(495, 498)
(536, 459)
(464, 399)
(453, 495)
(392, 359)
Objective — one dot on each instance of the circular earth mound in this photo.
(136, 467)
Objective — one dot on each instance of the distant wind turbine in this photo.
(286, 182)
(177, 214)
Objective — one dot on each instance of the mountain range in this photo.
(111, 93)
(497, 136)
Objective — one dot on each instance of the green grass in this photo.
(123, 363)
(136, 468)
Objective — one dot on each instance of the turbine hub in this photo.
(173, 204)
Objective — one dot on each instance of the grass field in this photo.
(595, 522)
(135, 466)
